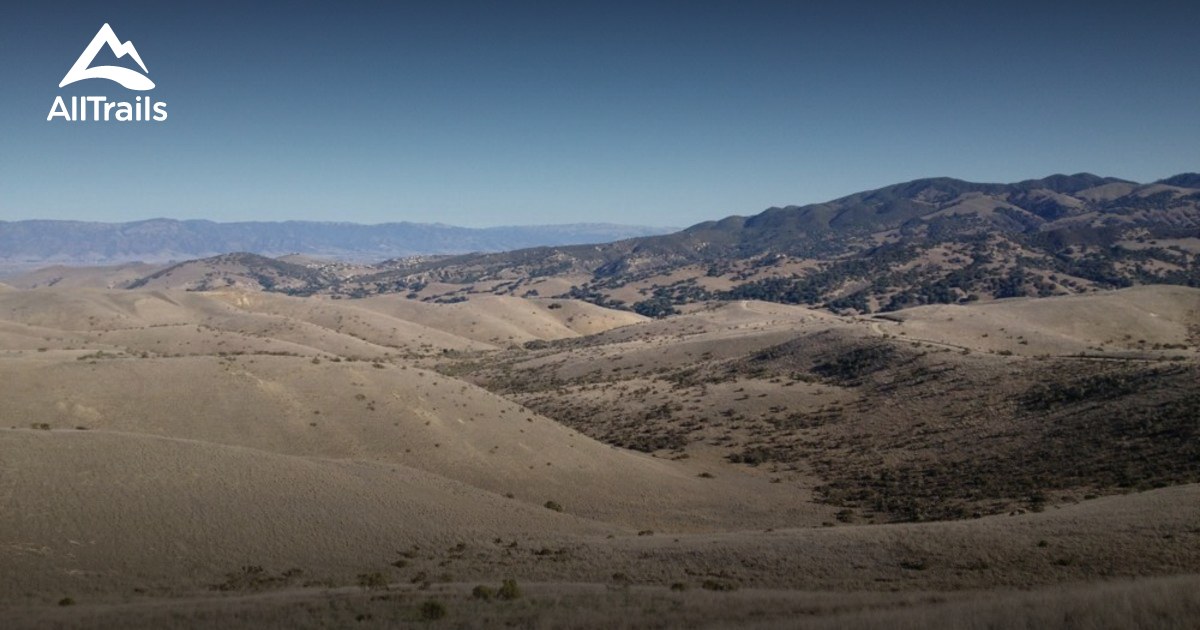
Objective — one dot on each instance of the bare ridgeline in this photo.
(938, 404)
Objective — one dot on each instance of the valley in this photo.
(245, 458)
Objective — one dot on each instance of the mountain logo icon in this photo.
(128, 78)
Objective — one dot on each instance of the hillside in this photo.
(930, 241)
(1034, 401)
(97, 277)
(240, 458)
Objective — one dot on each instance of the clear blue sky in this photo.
(554, 112)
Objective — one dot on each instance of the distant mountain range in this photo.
(929, 241)
(31, 243)
(1082, 208)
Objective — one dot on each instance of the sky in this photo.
(650, 113)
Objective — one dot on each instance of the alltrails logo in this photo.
(99, 107)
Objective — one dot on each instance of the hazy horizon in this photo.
(356, 223)
(480, 115)
(649, 224)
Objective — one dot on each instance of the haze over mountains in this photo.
(41, 242)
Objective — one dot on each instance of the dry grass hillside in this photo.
(938, 412)
(239, 458)
(1136, 320)
(503, 320)
(381, 413)
(77, 277)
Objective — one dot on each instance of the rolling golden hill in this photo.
(241, 458)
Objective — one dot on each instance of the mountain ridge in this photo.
(927, 241)
(931, 240)
(44, 241)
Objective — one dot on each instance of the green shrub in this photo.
(509, 590)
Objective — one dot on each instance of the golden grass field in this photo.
(243, 459)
